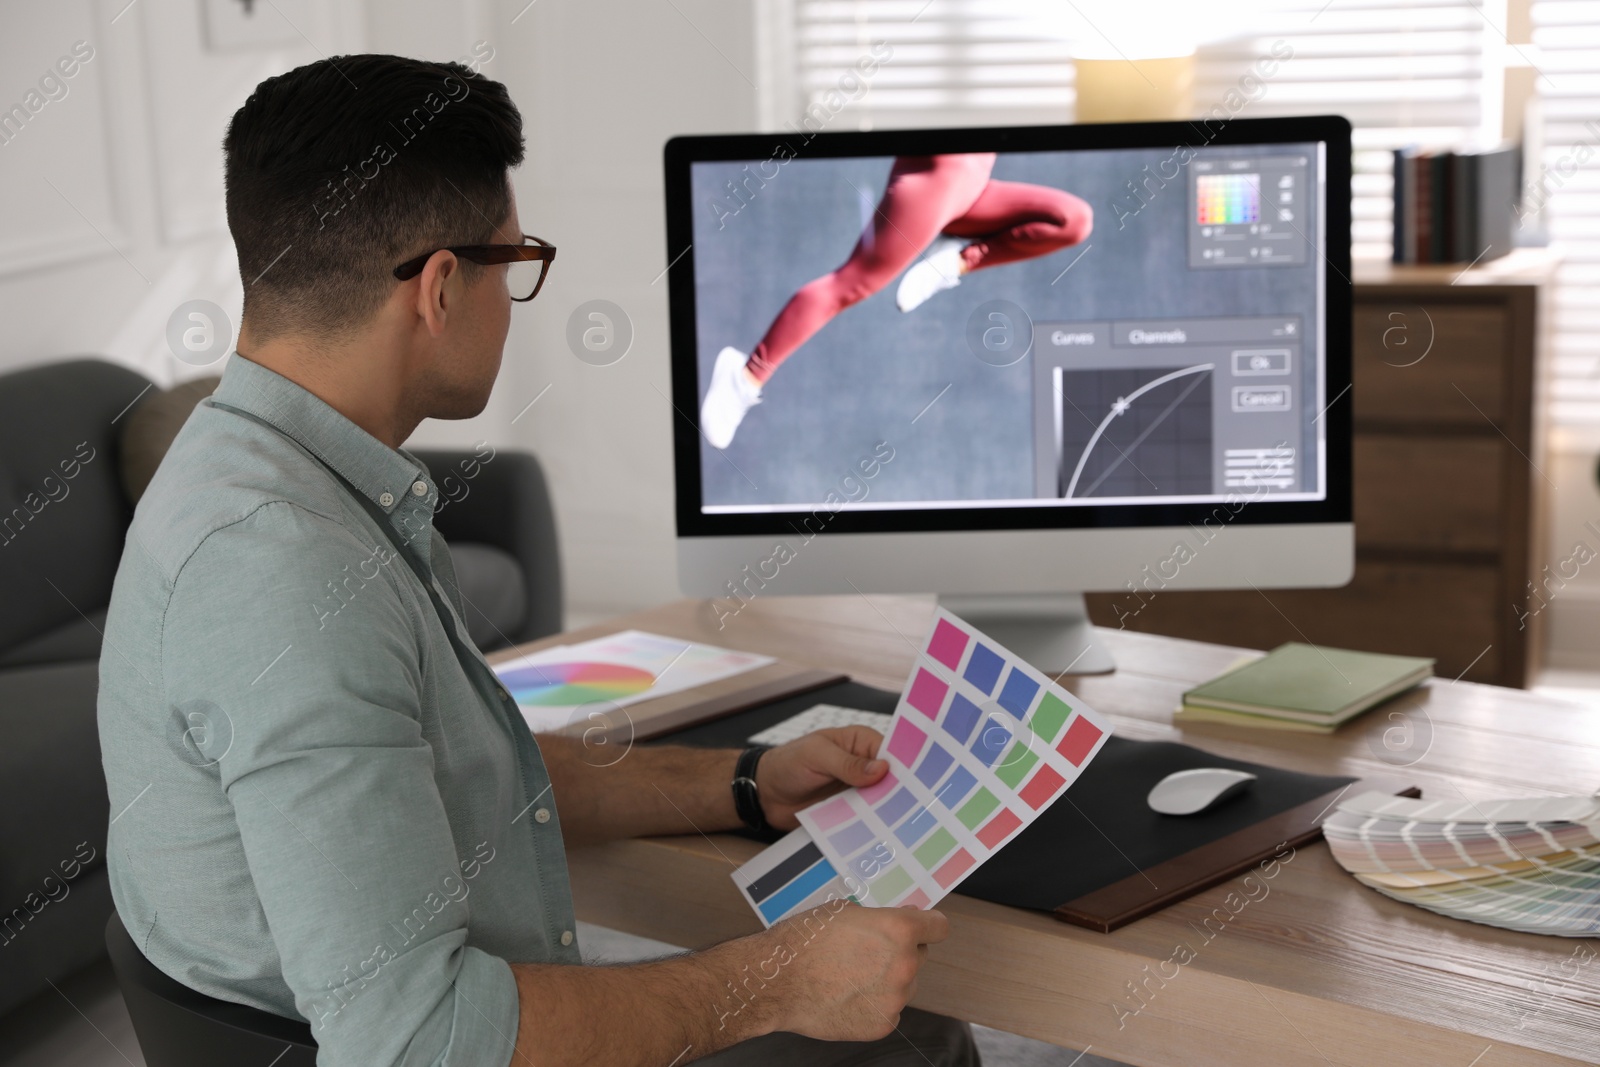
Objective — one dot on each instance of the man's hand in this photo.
(847, 974)
(797, 775)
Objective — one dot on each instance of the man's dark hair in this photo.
(340, 170)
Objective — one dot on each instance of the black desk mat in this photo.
(1100, 832)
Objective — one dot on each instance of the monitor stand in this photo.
(1049, 630)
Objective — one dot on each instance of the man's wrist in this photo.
(749, 1005)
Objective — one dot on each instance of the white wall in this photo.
(133, 225)
(111, 196)
(602, 85)
(1570, 601)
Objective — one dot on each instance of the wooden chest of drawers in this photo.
(1449, 485)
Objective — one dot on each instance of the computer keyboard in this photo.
(820, 717)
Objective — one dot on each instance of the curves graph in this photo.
(1121, 407)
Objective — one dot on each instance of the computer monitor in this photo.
(1011, 365)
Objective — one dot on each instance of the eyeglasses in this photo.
(529, 263)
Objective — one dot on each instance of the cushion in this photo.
(63, 512)
(494, 592)
(149, 430)
(76, 640)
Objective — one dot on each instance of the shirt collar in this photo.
(385, 475)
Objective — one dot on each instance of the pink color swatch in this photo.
(874, 793)
(833, 812)
(1079, 739)
(927, 694)
(948, 643)
(906, 742)
(915, 899)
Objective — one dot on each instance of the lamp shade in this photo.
(1144, 90)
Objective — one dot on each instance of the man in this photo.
(326, 806)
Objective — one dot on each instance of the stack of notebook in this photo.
(1303, 687)
(1531, 865)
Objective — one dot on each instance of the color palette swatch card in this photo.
(790, 876)
(979, 746)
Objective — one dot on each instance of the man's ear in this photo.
(437, 288)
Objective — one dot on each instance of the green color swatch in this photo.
(1051, 714)
(978, 808)
(935, 848)
(1015, 767)
(889, 885)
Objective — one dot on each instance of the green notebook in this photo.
(1310, 683)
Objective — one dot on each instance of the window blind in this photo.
(1422, 72)
(1565, 180)
(1404, 73)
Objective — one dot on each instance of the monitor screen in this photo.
(1064, 326)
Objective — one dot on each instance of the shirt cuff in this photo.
(483, 1032)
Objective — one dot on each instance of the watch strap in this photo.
(746, 798)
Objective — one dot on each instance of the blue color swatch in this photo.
(1018, 693)
(991, 741)
(958, 785)
(961, 717)
(983, 669)
(783, 901)
(913, 829)
(891, 810)
(933, 765)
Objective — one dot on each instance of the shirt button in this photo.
(542, 815)
(566, 937)
(419, 488)
(386, 499)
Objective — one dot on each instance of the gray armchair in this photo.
(60, 540)
(65, 505)
(497, 518)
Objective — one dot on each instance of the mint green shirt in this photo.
(318, 807)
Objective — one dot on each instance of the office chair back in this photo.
(178, 1027)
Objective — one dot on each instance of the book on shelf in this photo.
(1454, 206)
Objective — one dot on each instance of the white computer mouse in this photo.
(1193, 791)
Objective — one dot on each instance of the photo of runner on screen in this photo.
(942, 216)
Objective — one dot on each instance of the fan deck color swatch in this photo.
(980, 744)
(1530, 864)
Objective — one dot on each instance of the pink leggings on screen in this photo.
(928, 196)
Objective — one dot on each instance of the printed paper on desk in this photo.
(980, 745)
(557, 686)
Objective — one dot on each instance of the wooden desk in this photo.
(1320, 970)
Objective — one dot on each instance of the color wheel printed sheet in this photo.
(558, 686)
(980, 744)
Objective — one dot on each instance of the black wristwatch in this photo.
(746, 799)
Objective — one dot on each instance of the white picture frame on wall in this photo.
(236, 24)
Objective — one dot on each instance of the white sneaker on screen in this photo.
(939, 269)
(731, 395)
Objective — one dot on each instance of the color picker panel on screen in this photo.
(1225, 199)
(980, 744)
